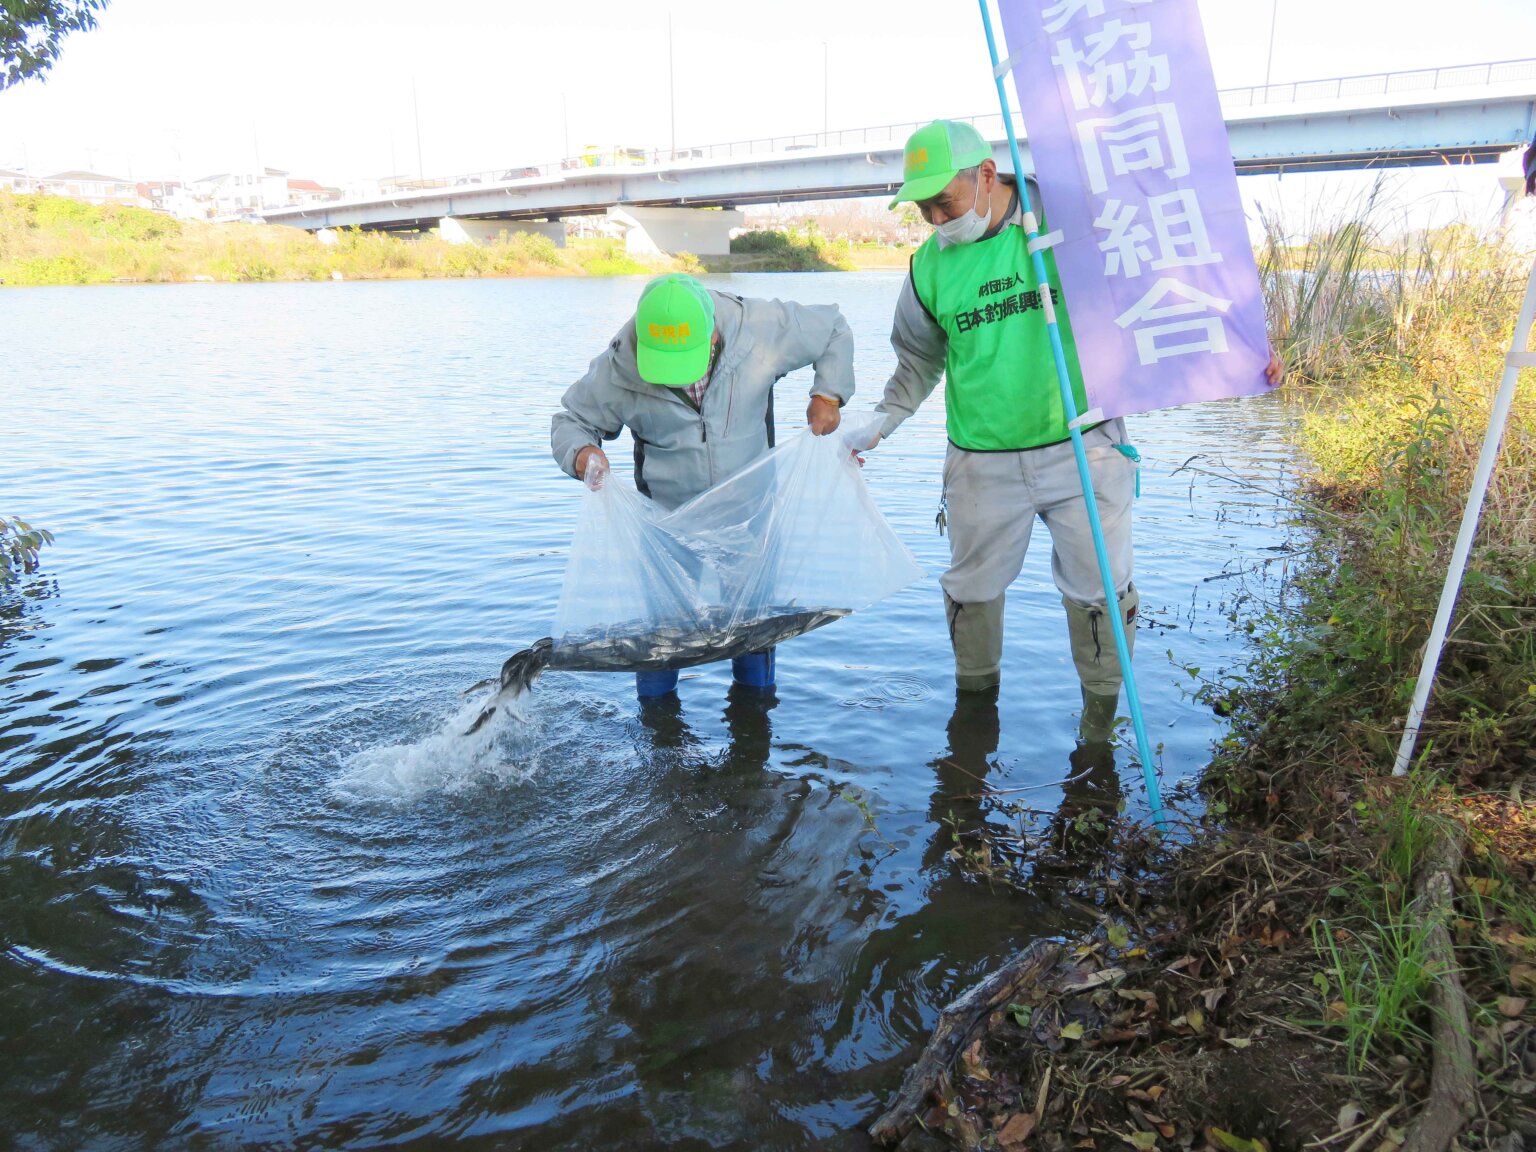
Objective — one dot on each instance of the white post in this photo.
(1520, 356)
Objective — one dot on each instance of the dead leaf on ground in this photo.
(1523, 977)
(1017, 1129)
(1350, 1115)
(1273, 938)
(1512, 1006)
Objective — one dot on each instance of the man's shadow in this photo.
(966, 801)
(747, 717)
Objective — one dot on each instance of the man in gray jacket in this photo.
(691, 376)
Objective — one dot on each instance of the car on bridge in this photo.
(593, 156)
(521, 173)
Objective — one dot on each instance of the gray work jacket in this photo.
(680, 451)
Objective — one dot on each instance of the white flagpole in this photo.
(1520, 356)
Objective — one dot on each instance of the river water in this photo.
(250, 894)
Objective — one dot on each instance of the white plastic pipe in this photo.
(1520, 356)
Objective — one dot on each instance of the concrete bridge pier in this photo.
(668, 231)
(1517, 221)
(458, 230)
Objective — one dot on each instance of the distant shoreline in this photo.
(51, 241)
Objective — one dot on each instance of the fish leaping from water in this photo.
(517, 675)
(716, 634)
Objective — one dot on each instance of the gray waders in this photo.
(976, 634)
(1098, 665)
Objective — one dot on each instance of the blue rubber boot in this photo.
(755, 670)
(650, 685)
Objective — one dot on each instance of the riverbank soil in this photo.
(1239, 995)
(1318, 956)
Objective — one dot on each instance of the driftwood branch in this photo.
(956, 1026)
(1452, 1083)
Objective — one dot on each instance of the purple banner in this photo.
(1131, 152)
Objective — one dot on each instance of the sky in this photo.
(343, 90)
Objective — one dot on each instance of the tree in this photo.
(32, 31)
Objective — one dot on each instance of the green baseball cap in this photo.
(935, 152)
(674, 330)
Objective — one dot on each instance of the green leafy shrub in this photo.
(20, 544)
(791, 251)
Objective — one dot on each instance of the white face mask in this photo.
(968, 228)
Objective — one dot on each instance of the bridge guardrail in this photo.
(1380, 84)
(989, 125)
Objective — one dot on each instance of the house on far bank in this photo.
(302, 192)
(91, 187)
(232, 195)
(157, 194)
(13, 181)
(241, 195)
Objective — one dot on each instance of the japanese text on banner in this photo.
(1132, 159)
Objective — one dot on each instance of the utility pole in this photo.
(421, 169)
(1274, 14)
(824, 74)
(565, 124)
(671, 86)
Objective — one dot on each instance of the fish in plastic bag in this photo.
(788, 544)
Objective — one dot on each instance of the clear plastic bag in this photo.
(788, 544)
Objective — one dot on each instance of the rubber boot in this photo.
(1098, 722)
(1098, 667)
(976, 635)
(754, 670)
(650, 685)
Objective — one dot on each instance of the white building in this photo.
(231, 195)
(92, 187)
(13, 181)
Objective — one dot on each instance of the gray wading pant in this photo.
(993, 499)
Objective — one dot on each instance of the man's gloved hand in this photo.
(823, 415)
(857, 450)
(1275, 371)
(592, 466)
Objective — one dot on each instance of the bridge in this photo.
(688, 199)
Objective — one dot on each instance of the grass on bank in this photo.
(1396, 347)
(51, 240)
(766, 250)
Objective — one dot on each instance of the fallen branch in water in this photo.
(956, 1026)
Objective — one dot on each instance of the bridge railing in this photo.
(989, 125)
(1381, 84)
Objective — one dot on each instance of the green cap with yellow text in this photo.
(935, 152)
(674, 330)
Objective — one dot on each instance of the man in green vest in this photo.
(972, 311)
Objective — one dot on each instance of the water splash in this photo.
(451, 760)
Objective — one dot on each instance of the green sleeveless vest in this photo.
(1001, 392)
